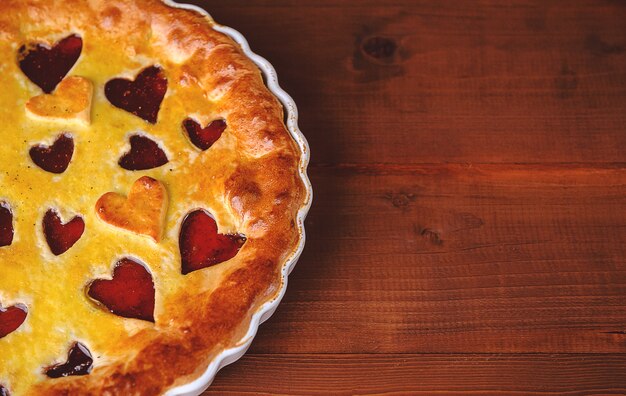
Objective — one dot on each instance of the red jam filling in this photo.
(200, 244)
(144, 153)
(11, 319)
(203, 138)
(6, 225)
(61, 237)
(79, 362)
(141, 97)
(129, 294)
(47, 66)
(54, 158)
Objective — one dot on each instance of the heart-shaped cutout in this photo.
(130, 293)
(56, 157)
(11, 318)
(70, 102)
(60, 236)
(47, 66)
(200, 244)
(203, 138)
(144, 154)
(6, 225)
(143, 212)
(79, 362)
(141, 97)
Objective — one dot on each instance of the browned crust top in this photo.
(264, 190)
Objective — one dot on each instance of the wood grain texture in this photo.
(423, 374)
(468, 230)
(492, 258)
(468, 81)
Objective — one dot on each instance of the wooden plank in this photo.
(423, 374)
(455, 258)
(447, 81)
(521, 252)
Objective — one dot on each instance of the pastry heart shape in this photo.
(130, 293)
(144, 153)
(200, 244)
(203, 138)
(47, 66)
(6, 225)
(61, 237)
(143, 212)
(11, 318)
(71, 101)
(56, 157)
(79, 362)
(141, 97)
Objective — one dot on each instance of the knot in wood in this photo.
(381, 49)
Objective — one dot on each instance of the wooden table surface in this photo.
(468, 231)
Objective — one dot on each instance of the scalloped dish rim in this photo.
(235, 352)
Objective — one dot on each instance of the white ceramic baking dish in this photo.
(237, 350)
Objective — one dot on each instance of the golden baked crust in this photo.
(248, 181)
